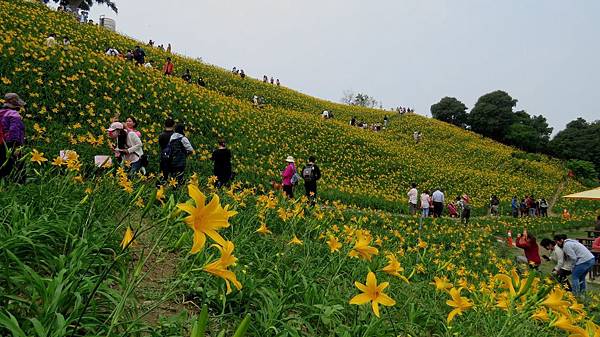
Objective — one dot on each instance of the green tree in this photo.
(450, 110)
(529, 133)
(86, 4)
(579, 140)
(492, 115)
(359, 99)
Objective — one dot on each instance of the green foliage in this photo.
(450, 110)
(579, 140)
(582, 169)
(492, 115)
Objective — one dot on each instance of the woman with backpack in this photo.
(287, 176)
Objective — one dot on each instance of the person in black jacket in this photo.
(222, 164)
(310, 175)
(163, 141)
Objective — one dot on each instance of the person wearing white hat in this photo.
(287, 174)
(129, 146)
(12, 132)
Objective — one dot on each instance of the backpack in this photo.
(308, 173)
(295, 179)
(172, 152)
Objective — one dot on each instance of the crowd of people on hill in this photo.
(404, 110)
(376, 127)
(527, 207)
(274, 82)
(432, 204)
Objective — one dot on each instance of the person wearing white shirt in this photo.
(425, 198)
(413, 196)
(563, 266)
(51, 40)
(438, 203)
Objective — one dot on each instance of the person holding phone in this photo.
(526, 241)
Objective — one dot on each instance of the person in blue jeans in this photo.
(581, 257)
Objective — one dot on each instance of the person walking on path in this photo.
(425, 200)
(12, 133)
(222, 164)
(514, 205)
(465, 209)
(311, 174)
(583, 261)
(438, 203)
(163, 141)
(287, 174)
(179, 149)
(413, 197)
(563, 266)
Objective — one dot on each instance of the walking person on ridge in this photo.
(311, 174)
(287, 174)
(222, 164)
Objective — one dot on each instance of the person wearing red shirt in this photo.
(168, 67)
(527, 242)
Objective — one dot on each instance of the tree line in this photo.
(494, 116)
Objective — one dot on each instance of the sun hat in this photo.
(12, 100)
(289, 159)
(115, 126)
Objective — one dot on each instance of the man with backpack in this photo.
(163, 141)
(174, 155)
(12, 132)
(311, 174)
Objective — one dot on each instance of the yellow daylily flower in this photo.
(219, 266)
(263, 229)
(371, 292)
(37, 157)
(205, 220)
(127, 238)
(441, 283)
(334, 244)
(362, 249)
(393, 268)
(295, 241)
(459, 303)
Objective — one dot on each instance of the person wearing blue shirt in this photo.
(515, 207)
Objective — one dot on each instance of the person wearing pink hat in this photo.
(129, 146)
(287, 175)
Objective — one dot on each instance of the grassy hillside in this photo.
(74, 91)
(87, 252)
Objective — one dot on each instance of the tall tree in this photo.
(529, 133)
(450, 110)
(579, 140)
(492, 115)
(74, 5)
(359, 99)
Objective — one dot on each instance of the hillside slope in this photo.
(74, 91)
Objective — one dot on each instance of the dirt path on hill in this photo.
(556, 195)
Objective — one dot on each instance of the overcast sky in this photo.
(545, 53)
